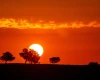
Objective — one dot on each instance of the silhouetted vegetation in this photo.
(54, 59)
(7, 56)
(30, 56)
(93, 63)
(46, 71)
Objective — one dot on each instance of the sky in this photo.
(69, 29)
(73, 46)
(56, 10)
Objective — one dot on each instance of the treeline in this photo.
(30, 56)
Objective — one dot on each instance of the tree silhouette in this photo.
(24, 54)
(30, 55)
(54, 59)
(34, 58)
(7, 56)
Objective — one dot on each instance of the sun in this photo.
(38, 48)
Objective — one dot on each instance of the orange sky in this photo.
(57, 10)
(79, 45)
(73, 46)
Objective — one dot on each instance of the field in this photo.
(48, 71)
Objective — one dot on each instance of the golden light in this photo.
(38, 48)
(27, 24)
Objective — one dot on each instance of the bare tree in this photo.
(7, 56)
(54, 59)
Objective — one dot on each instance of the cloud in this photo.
(23, 24)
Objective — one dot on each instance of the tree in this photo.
(34, 58)
(54, 59)
(24, 54)
(30, 55)
(7, 56)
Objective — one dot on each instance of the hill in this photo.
(48, 71)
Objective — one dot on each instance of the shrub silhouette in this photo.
(7, 56)
(93, 64)
(54, 59)
(30, 55)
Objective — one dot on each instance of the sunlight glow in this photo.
(23, 24)
(38, 48)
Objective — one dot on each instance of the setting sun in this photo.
(38, 48)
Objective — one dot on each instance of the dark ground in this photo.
(49, 71)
